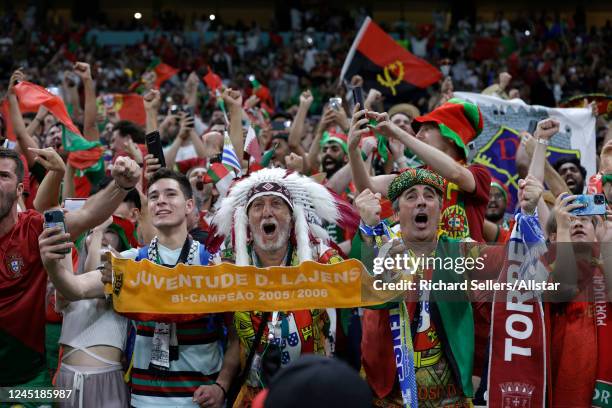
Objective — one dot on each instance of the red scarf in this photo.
(517, 364)
(581, 345)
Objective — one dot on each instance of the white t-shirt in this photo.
(184, 153)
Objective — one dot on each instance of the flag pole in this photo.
(356, 41)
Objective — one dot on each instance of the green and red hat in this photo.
(459, 120)
(412, 177)
(331, 135)
(495, 183)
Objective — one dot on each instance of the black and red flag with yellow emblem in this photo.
(385, 65)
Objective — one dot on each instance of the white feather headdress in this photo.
(312, 205)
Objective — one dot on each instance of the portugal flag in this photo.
(128, 106)
(163, 72)
(385, 65)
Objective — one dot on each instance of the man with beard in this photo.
(335, 152)
(205, 194)
(274, 217)
(572, 172)
(496, 210)
(22, 278)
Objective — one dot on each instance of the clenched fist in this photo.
(369, 207)
(126, 172)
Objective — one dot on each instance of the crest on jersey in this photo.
(15, 264)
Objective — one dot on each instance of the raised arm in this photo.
(152, 101)
(52, 242)
(191, 90)
(24, 139)
(38, 123)
(90, 129)
(361, 178)
(545, 130)
(439, 161)
(315, 147)
(233, 100)
(525, 152)
(48, 194)
(297, 126)
(100, 206)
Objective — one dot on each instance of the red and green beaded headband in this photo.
(413, 177)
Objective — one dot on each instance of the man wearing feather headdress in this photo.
(274, 218)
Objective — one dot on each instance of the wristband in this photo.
(222, 389)
(376, 231)
(543, 141)
(126, 189)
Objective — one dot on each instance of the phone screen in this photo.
(73, 204)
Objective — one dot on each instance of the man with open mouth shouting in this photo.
(274, 218)
(442, 348)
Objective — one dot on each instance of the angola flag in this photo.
(128, 106)
(385, 65)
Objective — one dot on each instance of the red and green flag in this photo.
(212, 81)
(84, 155)
(163, 72)
(128, 106)
(385, 65)
(221, 175)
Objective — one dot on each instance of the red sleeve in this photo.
(36, 222)
(482, 178)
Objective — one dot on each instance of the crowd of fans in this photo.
(282, 119)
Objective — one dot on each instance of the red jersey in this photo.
(23, 282)
(463, 213)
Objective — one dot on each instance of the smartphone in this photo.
(533, 125)
(595, 204)
(358, 97)
(54, 218)
(73, 204)
(280, 126)
(154, 147)
(335, 103)
(188, 109)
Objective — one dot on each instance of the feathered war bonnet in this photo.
(311, 204)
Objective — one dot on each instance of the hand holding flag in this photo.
(17, 77)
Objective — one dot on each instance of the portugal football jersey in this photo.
(23, 283)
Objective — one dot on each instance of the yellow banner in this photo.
(147, 288)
